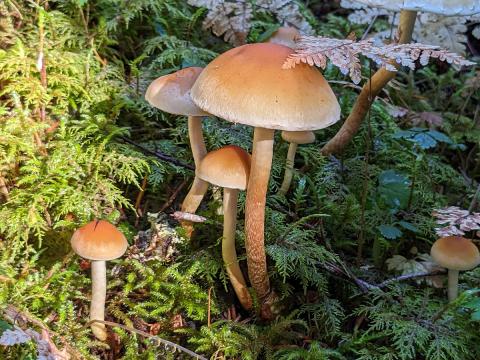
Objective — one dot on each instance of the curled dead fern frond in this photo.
(344, 54)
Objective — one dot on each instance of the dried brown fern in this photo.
(232, 19)
(345, 55)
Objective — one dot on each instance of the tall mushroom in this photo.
(98, 241)
(294, 138)
(247, 85)
(456, 254)
(229, 167)
(171, 93)
(408, 13)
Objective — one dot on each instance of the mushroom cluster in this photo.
(247, 85)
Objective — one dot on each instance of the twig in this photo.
(410, 276)
(172, 198)
(14, 315)
(159, 154)
(150, 336)
(365, 286)
(138, 201)
(369, 27)
(474, 200)
(209, 319)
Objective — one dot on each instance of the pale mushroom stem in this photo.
(197, 143)
(99, 292)
(452, 285)
(199, 187)
(230, 199)
(287, 177)
(192, 202)
(262, 153)
(369, 91)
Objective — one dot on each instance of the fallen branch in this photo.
(159, 154)
(166, 343)
(365, 286)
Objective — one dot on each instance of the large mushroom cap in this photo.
(298, 137)
(171, 93)
(228, 167)
(455, 253)
(247, 85)
(99, 240)
(443, 7)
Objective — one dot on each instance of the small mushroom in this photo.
(294, 138)
(285, 35)
(229, 167)
(98, 241)
(171, 93)
(247, 85)
(456, 254)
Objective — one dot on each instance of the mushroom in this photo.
(247, 85)
(229, 167)
(171, 93)
(294, 138)
(98, 241)
(285, 35)
(408, 14)
(456, 254)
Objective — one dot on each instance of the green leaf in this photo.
(394, 188)
(389, 231)
(408, 226)
(424, 140)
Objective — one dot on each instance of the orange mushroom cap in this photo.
(247, 85)
(99, 240)
(298, 137)
(455, 253)
(228, 167)
(171, 93)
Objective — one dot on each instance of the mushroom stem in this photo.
(195, 134)
(452, 284)
(262, 153)
(287, 177)
(230, 199)
(99, 292)
(369, 91)
(199, 187)
(192, 202)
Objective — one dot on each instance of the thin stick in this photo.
(138, 201)
(159, 154)
(209, 307)
(474, 200)
(147, 335)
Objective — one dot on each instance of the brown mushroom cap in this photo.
(455, 253)
(228, 167)
(298, 137)
(285, 35)
(171, 93)
(247, 85)
(99, 240)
